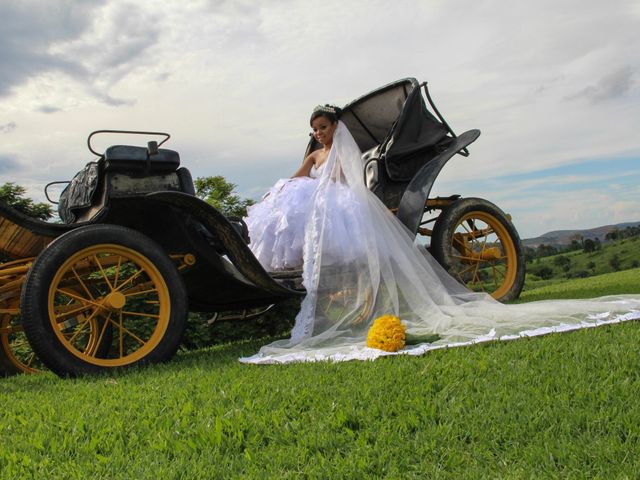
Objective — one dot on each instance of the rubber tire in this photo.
(35, 293)
(446, 223)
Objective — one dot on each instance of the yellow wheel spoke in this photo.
(466, 229)
(130, 279)
(102, 330)
(30, 360)
(465, 270)
(115, 280)
(89, 318)
(104, 275)
(137, 314)
(72, 313)
(121, 332)
(79, 329)
(78, 297)
(143, 292)
(84, 287)
(467, 258)
(128, 332)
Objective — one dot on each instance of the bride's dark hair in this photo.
(331, 112)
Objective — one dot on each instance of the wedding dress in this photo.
(379, 269)
(276, 224)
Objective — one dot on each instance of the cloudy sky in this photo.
(554, 86)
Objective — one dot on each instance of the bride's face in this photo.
(323, 130)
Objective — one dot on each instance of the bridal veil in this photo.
(378, 269)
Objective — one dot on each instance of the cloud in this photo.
(614, 85)
(48, 109)
(29, 28)
(7, 128)
(8, 164)
(121, 33)
(92, 42)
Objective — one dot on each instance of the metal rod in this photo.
(464, 152)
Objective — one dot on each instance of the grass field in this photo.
(578, 263)
(559, 406)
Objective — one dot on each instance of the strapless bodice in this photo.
(316, 171)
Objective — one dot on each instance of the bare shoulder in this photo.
(311, 159)
(305, 168)
(313, 156)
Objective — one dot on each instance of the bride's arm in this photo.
(305, 168)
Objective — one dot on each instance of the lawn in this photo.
(559, 406)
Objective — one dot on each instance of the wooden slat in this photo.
(19, 242)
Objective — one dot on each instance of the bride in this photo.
(360, 263)
(277, 223)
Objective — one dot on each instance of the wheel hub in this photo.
(114, 301)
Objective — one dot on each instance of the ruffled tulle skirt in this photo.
(276, 224)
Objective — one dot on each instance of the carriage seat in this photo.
(135, 161)
(122, 171)
(126, 158)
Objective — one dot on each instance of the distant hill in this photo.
(564, 237)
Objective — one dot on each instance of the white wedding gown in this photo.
(276, 224)
(360, 262)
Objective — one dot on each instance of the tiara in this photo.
(324, 108)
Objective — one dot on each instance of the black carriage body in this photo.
(151, 193)
(404, 146)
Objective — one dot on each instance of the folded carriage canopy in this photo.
(396, 119)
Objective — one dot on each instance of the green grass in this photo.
(559, 406)
(627, 281)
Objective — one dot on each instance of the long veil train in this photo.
(382, 271)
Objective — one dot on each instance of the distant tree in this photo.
(635, 264)
(612, 235)
(630, 232)
(529, 254)
(597, 242)
(13, 195)
(589, 246)
(562, 261)
(221, 194)
(543, 272)
(576, 242)
(614, 263)
(546, 250)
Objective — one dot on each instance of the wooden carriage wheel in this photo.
(112, 277)
(17, 356)
(479, 246)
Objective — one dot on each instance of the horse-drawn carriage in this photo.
(111, 286)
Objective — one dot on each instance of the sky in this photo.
(554, 86)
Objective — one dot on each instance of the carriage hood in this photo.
(395, 119)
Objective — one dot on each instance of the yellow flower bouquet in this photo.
(387, 333)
